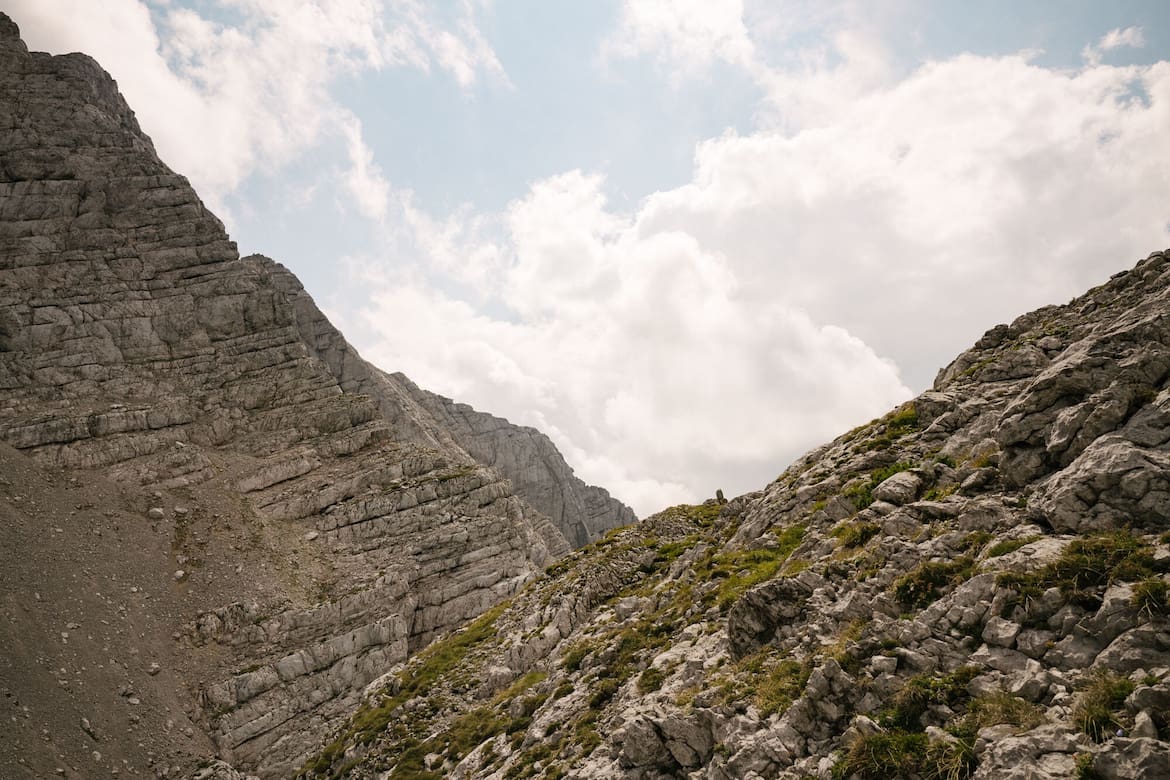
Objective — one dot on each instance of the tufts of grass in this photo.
(923, 585)
(922, 691)
(896, 425)
(1097, 711)
(999, 708)
(1086, 566)
(651, 680)
(1152, 597)
(855, 534)
(781, 685)
(975, 540)
(1083, 768)
(739, 570)
(939, 492)
(889, 754)
(1009, 546)
(428, 667)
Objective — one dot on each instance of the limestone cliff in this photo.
(975, 585)
(301, 520)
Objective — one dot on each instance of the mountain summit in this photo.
(212, 504)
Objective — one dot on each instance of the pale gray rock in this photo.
(899, 489)
(1134, 759)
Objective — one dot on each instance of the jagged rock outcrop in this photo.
(974, 585)
(323, 521)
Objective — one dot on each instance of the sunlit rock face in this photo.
(315, 520)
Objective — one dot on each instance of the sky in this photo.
(688, 239)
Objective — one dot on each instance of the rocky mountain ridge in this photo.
(975, 585)
(306, 520)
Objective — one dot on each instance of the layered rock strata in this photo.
(975, 585)
(353, 522)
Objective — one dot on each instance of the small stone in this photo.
(155, 513)
(1000, 632)
(182, 511)
(153, 669)
(311, 535)
(87, 727)
(97, 756)
(180, 574)
(1144, 726)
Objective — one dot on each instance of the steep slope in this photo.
(528, 458)
(974, 585)
(305, 518)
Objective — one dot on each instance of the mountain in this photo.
(219, 522)
(231, 547)
(973, 585)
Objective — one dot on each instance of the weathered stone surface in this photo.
(135, 340)
(339, 518)
(901, 488)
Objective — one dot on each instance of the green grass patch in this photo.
(739, 570)
(426, 669)
(855, 534)
(923, 585)
(924, 690)
(895, 425)
(651, 680)
(1088, 565)
(1009, 546)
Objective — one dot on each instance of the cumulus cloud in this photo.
(803, 281)
(1130, 37)
(638, 352)
(255, 93)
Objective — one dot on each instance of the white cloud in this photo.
(222, 101)
(640, 354)
(364, 179)
(730, 324)
(1130, 37)
(687, 35)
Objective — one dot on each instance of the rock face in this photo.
(975, 585)
(324, 519)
